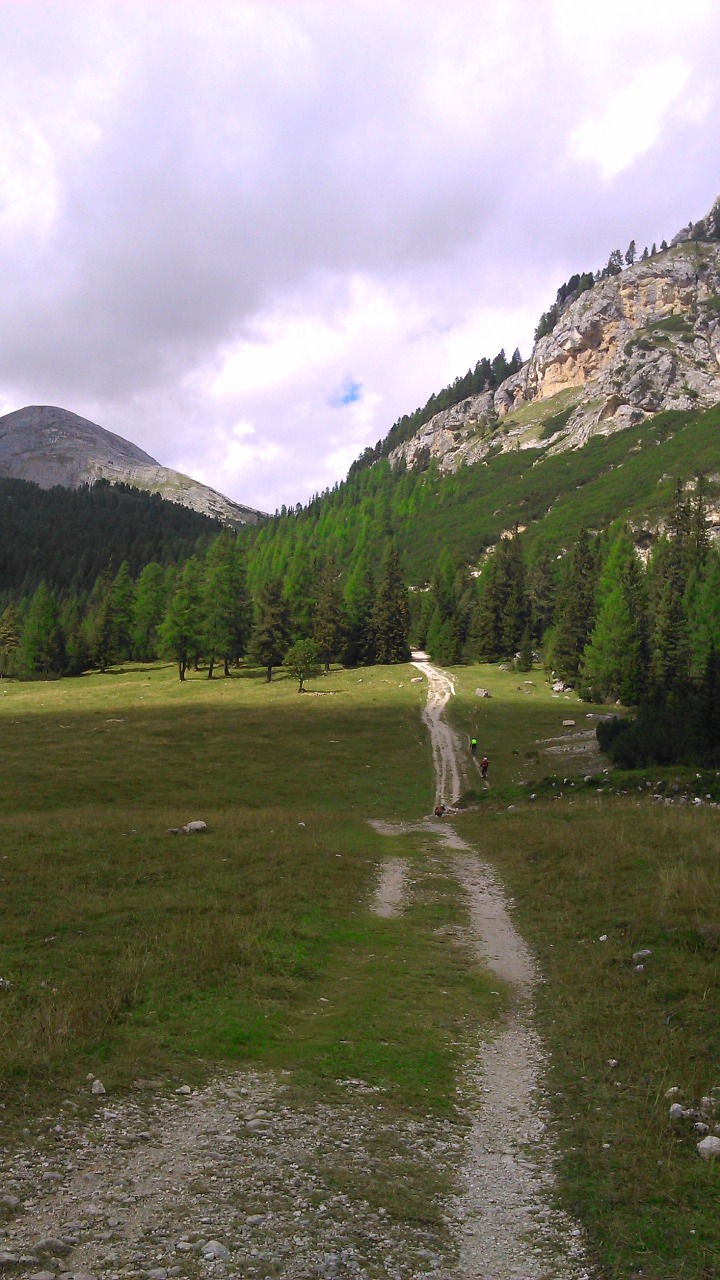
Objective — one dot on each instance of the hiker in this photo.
(484, 766)
(439, 810)
(473, 745)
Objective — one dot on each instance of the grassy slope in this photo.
(629, 474)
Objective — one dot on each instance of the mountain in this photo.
(52, 446)
(642, 341)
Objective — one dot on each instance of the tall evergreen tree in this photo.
(328, 628)
(271, 631)
(10, 631)
(575, 611)
(391, 616)
(150, 600)
(41, 651)
(180, 632)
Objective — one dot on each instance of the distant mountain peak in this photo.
(52, 446)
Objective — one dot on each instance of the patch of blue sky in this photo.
(348, 393)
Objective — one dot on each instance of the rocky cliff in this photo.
(51, 446)
(636, 343)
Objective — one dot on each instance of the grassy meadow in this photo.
(133, 953)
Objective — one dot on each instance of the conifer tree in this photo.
(391, 615)
(41, 651)
(150, 598)
(271, 631)
(328, 628)
(360, 606)
(575, 609)
(179, 633)
(10, 631)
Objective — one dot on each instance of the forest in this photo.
(641, 628)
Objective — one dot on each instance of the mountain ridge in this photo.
(639, 342)
(52, 446)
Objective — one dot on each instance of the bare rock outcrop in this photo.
(642, 341)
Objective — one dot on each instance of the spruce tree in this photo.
(271, 631)
(150, 598)
(10, 631)
(575, 609)
(391, 615)
(180, 634)
(41, 651)
(328, 628)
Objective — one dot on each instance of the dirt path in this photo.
(504, 1218)
(241, 1181)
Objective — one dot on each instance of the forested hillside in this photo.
(66, 537)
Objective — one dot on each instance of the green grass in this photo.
(133, 952)
(581, 866)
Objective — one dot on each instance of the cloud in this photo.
(209, 215)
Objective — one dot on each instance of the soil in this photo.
(241, 1179)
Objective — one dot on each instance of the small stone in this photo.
(701, 1128)
(612, 1062)
(639, 968)
(184, 1090)
(43, 1275)
(98, 1087)
(641, 955)
(214, 1249)
(192, 828)
(709, 1148)
(157, 1273)
(670, 1093)
(603, 937)
(52, 1247)
(7, 1259)
(258, 1125)
(676, 1112)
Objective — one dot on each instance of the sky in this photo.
(250, 235)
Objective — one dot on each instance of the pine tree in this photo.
(180, 633)
(271, 631)
(121, 609)
(328, 628)
(41, 651)
(150, 599)
(575, 609)
(226, 610)
(360, 605)
(10, 631)
(391, 617)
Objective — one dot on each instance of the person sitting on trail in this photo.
(473, 745)
(439, 810)
(484, 766)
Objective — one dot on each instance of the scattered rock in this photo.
(568, 724)
(184, 1090)
(676, 1111)
(98, 1087)
(641, 955)
(482, 693)
(214, 1249)
(709, 1148)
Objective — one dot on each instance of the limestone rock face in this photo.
(639, 342)
(52, 446)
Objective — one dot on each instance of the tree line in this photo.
(203, 614)
(618, 627)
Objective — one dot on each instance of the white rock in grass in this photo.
(709, 1148)
(98, 1087)
(641, 955)
(191, 828)
(676, 1111)
(701, 1128)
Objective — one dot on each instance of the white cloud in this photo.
(213, 219)
(632, 119)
